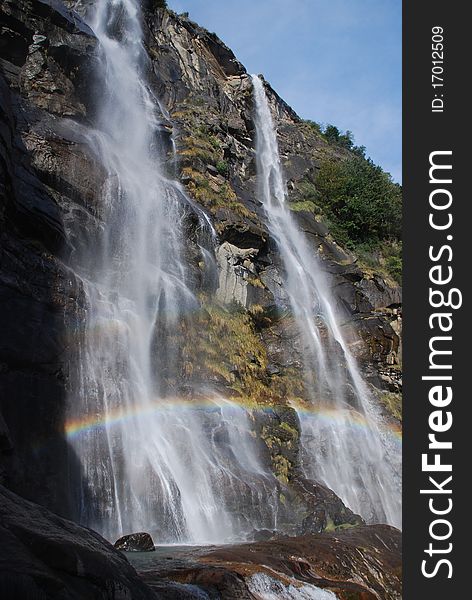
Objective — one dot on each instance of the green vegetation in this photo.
(202, 147)
(345, 140)
(359, 202)
(280, 440)
(385, 256)
(223, 343)
(314, 125)
(222, 168)
(364, 209)
(392, 402)
(336, 137)
(303, 206)
(198, 146)
(200, 143)
(289, 429)
(213, 194)
(308, 201)
(361, 199)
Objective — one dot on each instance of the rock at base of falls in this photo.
(356, 563)
(45, 556)
(135, 542)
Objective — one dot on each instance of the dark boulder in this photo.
(43, 556)
(263, 535)
(135, 542)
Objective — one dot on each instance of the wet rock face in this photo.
(135, 542)
(44, 556)
(45, 178)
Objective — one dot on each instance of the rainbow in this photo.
(120, 415)
(351, 418)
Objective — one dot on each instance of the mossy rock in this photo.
(392, 403)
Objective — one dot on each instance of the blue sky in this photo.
(333, 61)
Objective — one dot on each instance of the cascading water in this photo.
(264, 587)
(182, 471)
(344, 445)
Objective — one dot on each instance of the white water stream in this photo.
(349, 451)
(264, 587)
(183, 471)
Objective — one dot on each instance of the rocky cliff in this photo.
(243, 339)
(49, 193)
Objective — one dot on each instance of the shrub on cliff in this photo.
(333, 135)
(364, 207)
(362, 198)
(336, 137)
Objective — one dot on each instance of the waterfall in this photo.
(184, 470)
(344, 442)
